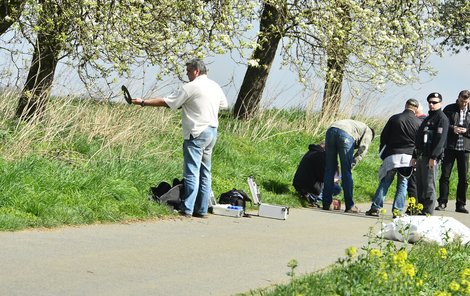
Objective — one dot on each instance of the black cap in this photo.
(434, 95)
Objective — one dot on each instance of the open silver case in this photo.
(266, 210)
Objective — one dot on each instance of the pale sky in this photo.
(452, 77)
(283, 90)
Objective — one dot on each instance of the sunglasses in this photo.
(433, 102)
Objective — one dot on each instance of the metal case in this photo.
(266, 210)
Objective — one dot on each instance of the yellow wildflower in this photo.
(396, 213)
(375, 253)
(411, 201)
(351, 251)
(420, 207)
(383, 211)
(465, 274)
(400, 257)
(442, 253)
(442, 294)
(419, 283)
(408, 269)
(383, 276)
(454, 286)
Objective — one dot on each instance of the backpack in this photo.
(168, 194)
(235, 197)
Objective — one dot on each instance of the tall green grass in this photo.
(90, 162)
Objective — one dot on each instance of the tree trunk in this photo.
(39, 81)
(45, 57)
(333, 88)
(336, 66)
(251, 90)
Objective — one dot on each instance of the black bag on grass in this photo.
(168, 194)
(235, 197)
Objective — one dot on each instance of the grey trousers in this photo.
(426, 184)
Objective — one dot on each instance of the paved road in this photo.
(215, 256)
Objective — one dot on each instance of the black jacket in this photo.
(310, 172)
(431, 137)
(452, 112)
(399, 134)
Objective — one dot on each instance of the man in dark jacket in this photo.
(308, 179)
(397, 142)
(430, 143)
(458, 148)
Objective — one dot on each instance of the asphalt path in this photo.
(182, 256)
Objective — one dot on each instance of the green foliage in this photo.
(101, 38)
(455, 30)
(86, 162)
(385, 269)
(373, 41)
(90, 162)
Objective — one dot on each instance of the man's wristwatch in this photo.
(142, 103)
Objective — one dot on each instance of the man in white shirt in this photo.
(200, 101)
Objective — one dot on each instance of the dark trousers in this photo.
(411, 189)
(426, 184)
(450, 156)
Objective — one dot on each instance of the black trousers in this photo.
(426, 184)
(411, 187)
(450, 156)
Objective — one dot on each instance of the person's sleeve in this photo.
(223, 101)
(467, 133)
(363, 146)
(176, 99)
(440, 137)
(384, 135)
(448, 113)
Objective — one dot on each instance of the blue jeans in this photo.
(336, 191)
(338, 143)
(197, 153)
(400, 194)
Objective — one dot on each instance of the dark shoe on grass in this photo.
(372, 212)
(183, 214)
(200, 216)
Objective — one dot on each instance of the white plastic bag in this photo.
(426, 228)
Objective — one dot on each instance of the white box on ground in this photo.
(273, 211)
(227, 210)
(266, 210)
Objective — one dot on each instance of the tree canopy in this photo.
(99, 38)
(455, 30)
(368, 41)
